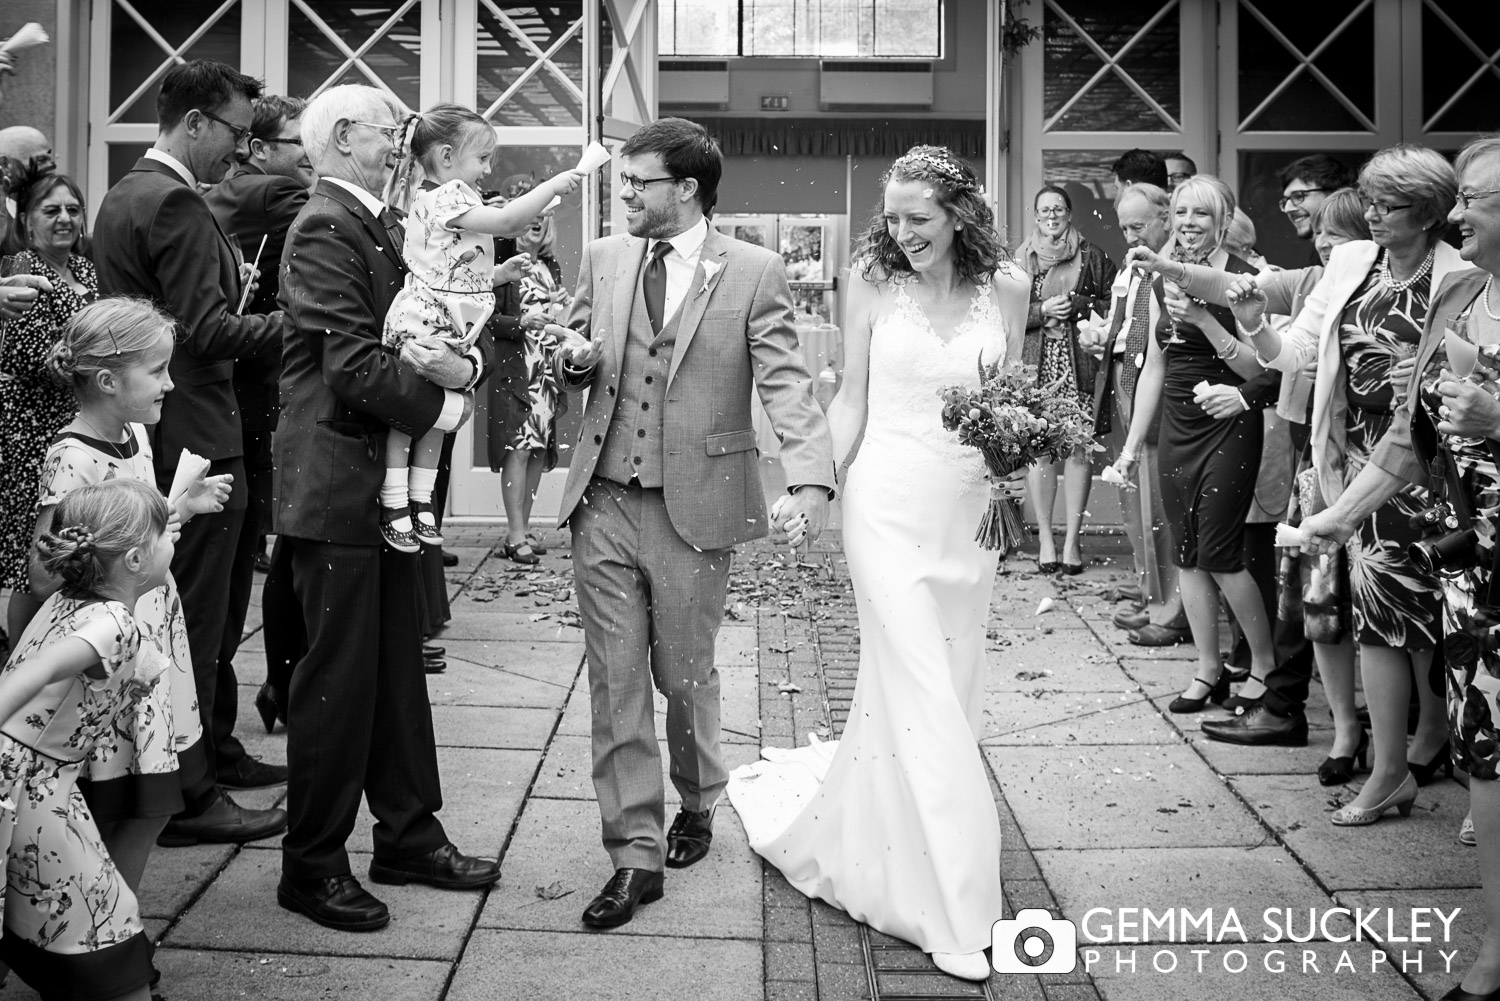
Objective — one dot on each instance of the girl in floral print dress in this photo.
(113, 354)
(72, 925)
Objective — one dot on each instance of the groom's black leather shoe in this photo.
(337, 902)
(626, 890)
(689, 838)
(447, 868)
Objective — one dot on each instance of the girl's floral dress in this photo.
(71, 923)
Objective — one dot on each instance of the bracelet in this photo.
(1230, 353)
(1127, 455)
(1259, 328)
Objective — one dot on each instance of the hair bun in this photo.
(81, 538)
(61, 363)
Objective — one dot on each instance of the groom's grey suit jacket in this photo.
(735, 333)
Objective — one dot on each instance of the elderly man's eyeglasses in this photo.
(1381, 209)
(639, 183)
(391, 132)
(1467, 198)
(1296, 198)
(240, 133)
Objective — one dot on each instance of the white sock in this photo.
(422, 483)
(393, 490)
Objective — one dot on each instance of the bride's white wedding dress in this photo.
(895, 823)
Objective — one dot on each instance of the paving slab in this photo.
(557, 846)
(471, 684)
(1066, 660)
(510, 965)
(1120, 716)
(1416, 852)
(1120, 796)
(1438, 972)
(1238, 759)
(239, 911)
(1169, 881)
(544, 660)
(473, 620)
(1343, 973)
(175, 876)
(509, 727)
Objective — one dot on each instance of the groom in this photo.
(682, 323)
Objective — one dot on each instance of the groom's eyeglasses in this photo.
(639, 183)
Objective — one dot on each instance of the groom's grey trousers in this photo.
(652, 606)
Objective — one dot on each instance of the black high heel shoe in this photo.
(1338, 771)
(1218, 691)
(1425, 773)
(271, 706)
(1459, 994)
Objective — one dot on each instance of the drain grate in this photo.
(900, 972)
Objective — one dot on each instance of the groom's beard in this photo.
(654, 222)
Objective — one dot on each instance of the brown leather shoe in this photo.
(1136, 618)
(689, 838)
(337, 902)
(626, 890)
(446, 868)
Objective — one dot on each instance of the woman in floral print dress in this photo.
(72, 925)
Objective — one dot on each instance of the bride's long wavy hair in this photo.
(977, 251)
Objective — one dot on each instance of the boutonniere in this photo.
(710, 268)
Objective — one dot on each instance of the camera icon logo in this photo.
(1034, 942)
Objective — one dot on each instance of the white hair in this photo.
(349, 102)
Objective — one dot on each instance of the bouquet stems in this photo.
(1002, 528)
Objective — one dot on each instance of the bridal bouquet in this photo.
(1014, 422)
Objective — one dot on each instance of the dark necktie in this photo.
(393, 228)
(1135, 337)
(655, 285)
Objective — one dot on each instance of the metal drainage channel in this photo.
(901, 972)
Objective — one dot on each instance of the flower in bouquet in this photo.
(1014, 422)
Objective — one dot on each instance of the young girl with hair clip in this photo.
(81, 672)
(449, 292)
(113, 355)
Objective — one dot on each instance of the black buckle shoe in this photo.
(1259, 727)
(402, 542)
(446, 868)
(337, 902)
(427, 531)
(689, 838)
(626, 890)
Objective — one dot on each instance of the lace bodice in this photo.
(909, 364)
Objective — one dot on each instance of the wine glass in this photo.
(10, 266)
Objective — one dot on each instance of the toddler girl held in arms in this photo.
(449, 293)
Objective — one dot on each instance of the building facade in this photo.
(808, 107)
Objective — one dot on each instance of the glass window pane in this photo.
(908, 28)
(542, 99)
(122, 157)
(1306, 104)
(135, 55)
(837, 28)
(698, 28)
(1110, 105)
(395, 58)
(1447, 65)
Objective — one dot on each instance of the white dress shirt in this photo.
(453, 402)
(176, 164)
(681, 262)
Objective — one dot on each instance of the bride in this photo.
(895, 823)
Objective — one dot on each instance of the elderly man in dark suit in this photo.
(359, 720)
(257, 201)
(155, 237)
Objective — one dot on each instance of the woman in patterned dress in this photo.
(1363, 323)
(50, 222)
(1070, 278)
(81, 669)
(1466, 412)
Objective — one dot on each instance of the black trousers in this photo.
(204, 566)
(359, 723)
(1288, 682)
